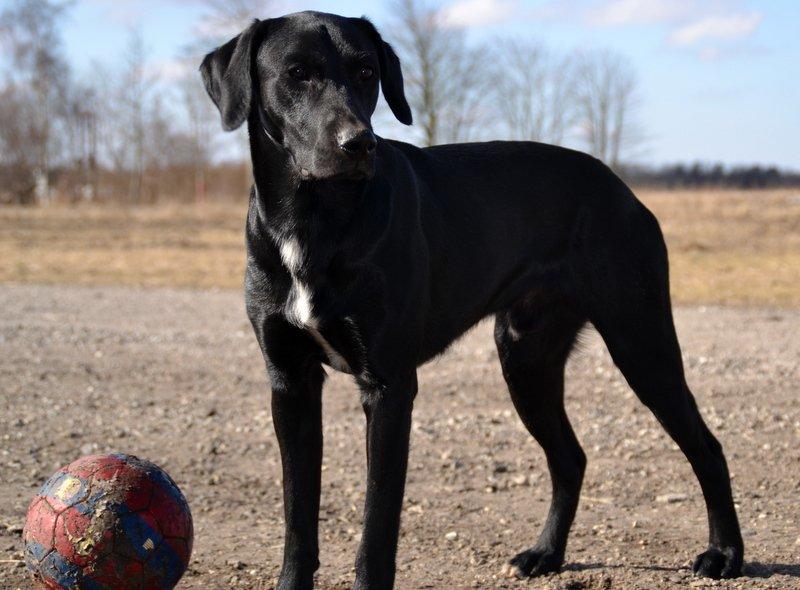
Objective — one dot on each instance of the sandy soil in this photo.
(176, 377)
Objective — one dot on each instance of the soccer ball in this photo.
(108, 521)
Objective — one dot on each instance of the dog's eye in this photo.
(299, 73)
(366, 73)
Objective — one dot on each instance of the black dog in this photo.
(372, 256)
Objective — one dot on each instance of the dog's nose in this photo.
(357, 143)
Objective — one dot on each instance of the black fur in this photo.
(374, 258)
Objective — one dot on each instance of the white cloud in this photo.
(710, 28)
(170, 70)
(723, 27)
(477, 13)
(624, 12)
(710, 53)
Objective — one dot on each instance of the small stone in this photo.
(14, 529)
(671, 498)
(519, 480)
(511, 571)
(451, 536)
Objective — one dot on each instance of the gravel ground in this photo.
(176, 377)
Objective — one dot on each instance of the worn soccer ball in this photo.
(108, 521)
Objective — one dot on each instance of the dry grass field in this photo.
(728, 247)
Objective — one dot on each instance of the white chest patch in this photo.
(291, 254)
(299, 309)
(298, 306)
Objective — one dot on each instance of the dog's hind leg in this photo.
(533, 359)
(629, 304)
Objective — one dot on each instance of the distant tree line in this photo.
(700, 175)
(131, 132)
(124, 132)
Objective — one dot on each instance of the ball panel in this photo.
(35, 553)
(59, 572)
(87, 466)
(73, 538)
(97, 499)
(109, 572)
(165, 565)
(52, 480)
(181, 548)
(40, 524)
(171, 511)
(141, 534)
(65, 490)
(139, 496)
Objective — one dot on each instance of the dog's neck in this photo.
(323, 219)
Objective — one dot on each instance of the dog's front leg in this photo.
(297, 417)
(388, 412)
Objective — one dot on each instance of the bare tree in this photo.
(81, 135)
(605, 95)
(134, 91)
(221, 20)
(443, 75)
(463, 116)
(17, 152)
(532, 91)
(201, 131)
(225, 18)
(37, 79)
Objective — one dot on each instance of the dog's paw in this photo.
(533, 563)
(296, 579)
(716, 563)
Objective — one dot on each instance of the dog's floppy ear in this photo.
(391, 75)
(227, 75)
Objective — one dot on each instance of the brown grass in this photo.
(740, 248)
(732, 247)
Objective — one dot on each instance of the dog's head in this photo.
(310, 81)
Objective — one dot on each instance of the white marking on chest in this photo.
(298, 304)
(299, 308)
(291, 254)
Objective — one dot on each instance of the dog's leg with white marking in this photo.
(296, 379)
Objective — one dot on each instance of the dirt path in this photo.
(176, 377)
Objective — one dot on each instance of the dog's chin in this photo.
(354, 173)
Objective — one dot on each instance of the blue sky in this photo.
(719, 79)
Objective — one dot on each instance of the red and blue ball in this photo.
(108, 521)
